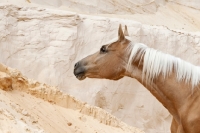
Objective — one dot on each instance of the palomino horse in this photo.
(174, 82)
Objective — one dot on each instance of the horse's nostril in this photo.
(76, 65)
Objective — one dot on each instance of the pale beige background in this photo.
(44, 40)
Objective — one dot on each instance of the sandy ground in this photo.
(27, 106)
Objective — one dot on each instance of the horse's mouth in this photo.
(80, 76)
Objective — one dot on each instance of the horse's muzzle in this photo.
(79, 71)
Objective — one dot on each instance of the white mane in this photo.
(156, 62)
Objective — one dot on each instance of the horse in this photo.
(173, 81)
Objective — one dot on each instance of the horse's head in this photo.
(109, 63)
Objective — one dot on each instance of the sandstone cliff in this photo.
(44, 40)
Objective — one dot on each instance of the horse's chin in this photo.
(118, 78)
(80, 77)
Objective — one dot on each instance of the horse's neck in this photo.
(171, 93)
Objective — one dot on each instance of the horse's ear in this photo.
(121, 36)
(126, 31)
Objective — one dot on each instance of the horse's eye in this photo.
(103, 49)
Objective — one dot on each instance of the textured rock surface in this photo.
(44, 43)
(6, 81)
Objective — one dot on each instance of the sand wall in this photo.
(44, 42)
